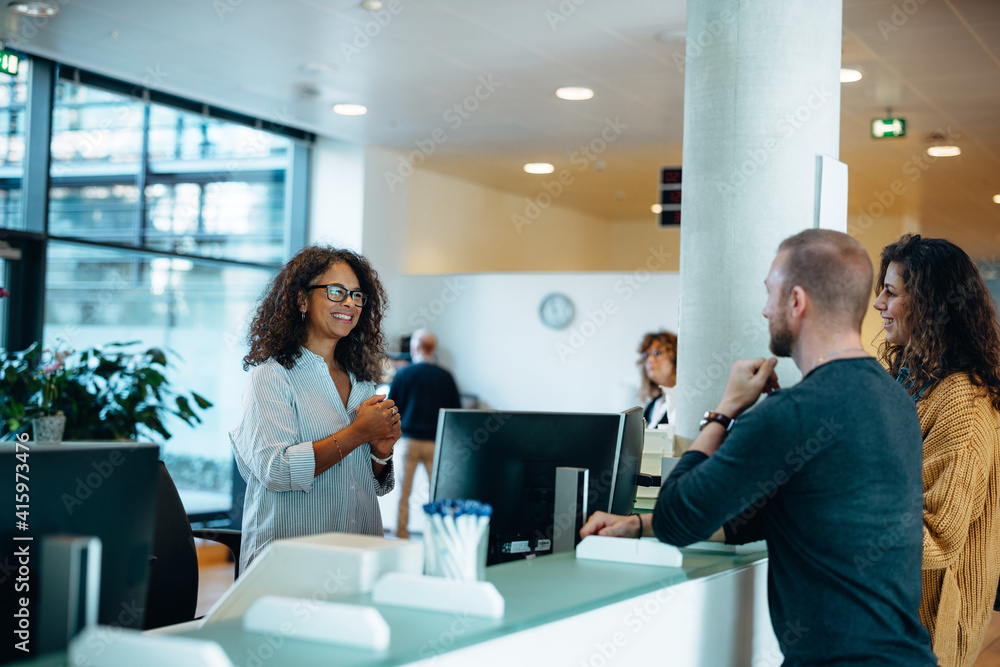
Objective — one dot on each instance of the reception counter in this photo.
(560, 611)
(564, 611)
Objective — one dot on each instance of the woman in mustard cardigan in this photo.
(942, 342)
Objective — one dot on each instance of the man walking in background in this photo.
(420, 390)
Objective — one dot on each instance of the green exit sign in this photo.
(888, 127)
(9, 63)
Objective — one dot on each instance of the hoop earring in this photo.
(303, 316)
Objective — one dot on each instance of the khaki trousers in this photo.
(414, 452)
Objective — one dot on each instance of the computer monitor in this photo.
(104, 490)
(509, 460)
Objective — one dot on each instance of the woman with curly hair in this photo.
(658, 360)
(942, 343)
(314, 442)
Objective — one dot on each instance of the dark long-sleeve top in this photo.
(829, 473)
(421, 390)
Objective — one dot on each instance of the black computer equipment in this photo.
(509, 459)
(102, 490)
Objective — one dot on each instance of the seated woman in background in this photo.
(314, 442)
(943, 344)
(658, 359)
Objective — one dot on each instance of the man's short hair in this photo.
(423, 342)
(834, 270)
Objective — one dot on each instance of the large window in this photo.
(138, 173)
(13, 98)
(164, 220)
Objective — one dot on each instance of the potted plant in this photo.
(49, 422)
(117, 391)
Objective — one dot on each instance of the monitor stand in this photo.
(570, 511)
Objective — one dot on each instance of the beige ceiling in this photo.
(469, 85)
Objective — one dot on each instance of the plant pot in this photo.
(49, 430)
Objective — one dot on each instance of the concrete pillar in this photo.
(761, 101)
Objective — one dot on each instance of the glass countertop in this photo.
(536, 591)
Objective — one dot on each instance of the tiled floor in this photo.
(216, 576)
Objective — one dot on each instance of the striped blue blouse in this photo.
(284, 411)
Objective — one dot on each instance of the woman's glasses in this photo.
(339, 294)
(656, 353)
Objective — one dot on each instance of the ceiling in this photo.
(469, 87)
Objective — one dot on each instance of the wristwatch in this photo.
(727, 422)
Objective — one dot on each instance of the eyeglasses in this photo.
(656, 353)
(339, 294)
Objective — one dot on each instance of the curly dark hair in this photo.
(668, 340)
(951, 317)
(278, 330)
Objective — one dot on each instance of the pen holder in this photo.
(456, 540)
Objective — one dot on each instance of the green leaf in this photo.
(157, 356)
(183, 406)
(202, 402)
(156, 425)
(152, 376)
(128, 344)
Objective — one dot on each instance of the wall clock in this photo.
(556, 310)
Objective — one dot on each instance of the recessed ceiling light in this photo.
(996, 199)
(944, 151)
(35, 9)
(575, 94)
(656, 208)
(371, 5)
(848, 75)
(539, 168)
(350, 109)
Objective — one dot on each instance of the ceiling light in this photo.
(848, 75)
(940, 146)
(35, 9)
(350, 109)
(575, 94)
(996, 199)
(539, 168)
(371, 5)
(944, 151)
(656, 208)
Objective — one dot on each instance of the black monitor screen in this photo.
(104, 490)
(509, 459)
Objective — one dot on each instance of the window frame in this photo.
(25, 306)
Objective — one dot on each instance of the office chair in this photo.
(173, 575)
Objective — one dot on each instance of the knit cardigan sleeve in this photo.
(956, 469)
